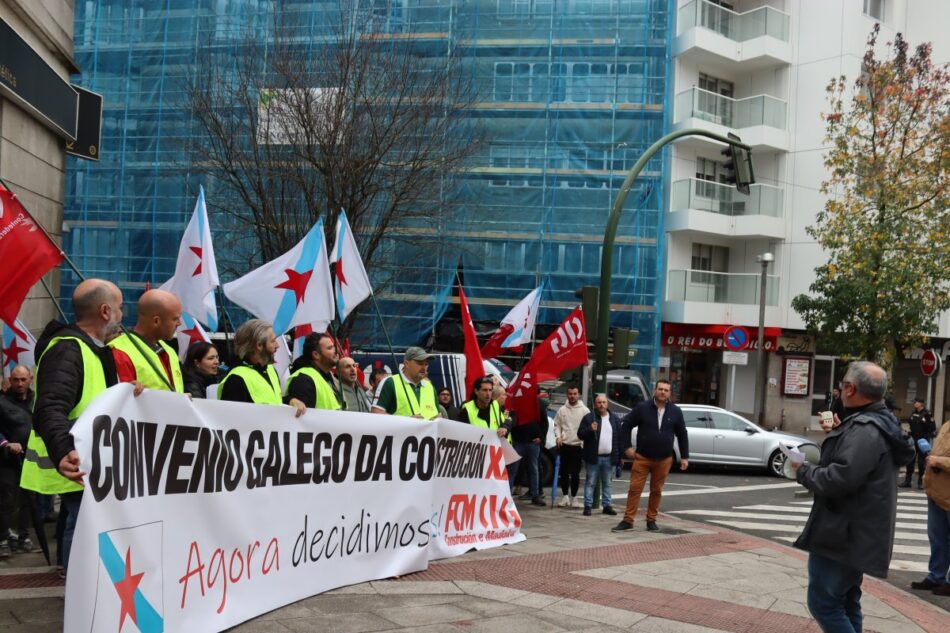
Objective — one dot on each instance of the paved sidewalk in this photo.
(571, 574)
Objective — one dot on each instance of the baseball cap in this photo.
(891, 403)
(417, 353)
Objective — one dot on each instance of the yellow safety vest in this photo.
(144, 372)
(263, 391)
(39, 472)
(494, 414)
(326, 397)
(408, 405)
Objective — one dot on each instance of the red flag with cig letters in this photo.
(26, 252)
(565, 349)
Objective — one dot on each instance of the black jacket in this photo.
(16, 420)
(922, 425)
(592, 438)
(59, 381)
(852, 519)
(197, 382)
(652, 441)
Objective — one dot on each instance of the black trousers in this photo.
(571, 459)
(921, 460)
(15, 503)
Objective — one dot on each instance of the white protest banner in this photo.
(197, 516)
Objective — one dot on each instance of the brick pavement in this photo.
(571, 574)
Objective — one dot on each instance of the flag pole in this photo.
(138, 345)
(392, 353)
(49, 291)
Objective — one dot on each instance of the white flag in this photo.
(293, 289)
(196, 273)
(352, 284)
(17, 349)
(517, 327)
(282, 360)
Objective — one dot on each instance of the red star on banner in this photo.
(303, 330)
(11, 355)
(194, 335)
(339, 272)
(126, 589)
(197, 251)
(296, 282)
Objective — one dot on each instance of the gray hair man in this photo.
(409, 393)
(850, 531)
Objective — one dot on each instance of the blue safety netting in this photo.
(570, 93)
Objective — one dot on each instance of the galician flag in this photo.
(352, 284)
(196, 273)
(517, 327)
(17, 347)
(189, 333)
(294, 289)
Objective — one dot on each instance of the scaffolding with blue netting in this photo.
(569, 94)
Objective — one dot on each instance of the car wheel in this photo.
(776, 464)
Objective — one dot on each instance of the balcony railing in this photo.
(764, 21)
(712, 287)
(732, 113)
(714, 197)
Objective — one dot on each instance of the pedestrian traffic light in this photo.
(623, 341)
(589, 296)
(738, 166)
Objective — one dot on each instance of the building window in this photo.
(707, 257)
(874, 9)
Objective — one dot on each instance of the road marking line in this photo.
(710, 491)
(780, 517)
(798, 510)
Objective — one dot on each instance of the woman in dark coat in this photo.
(201, 369)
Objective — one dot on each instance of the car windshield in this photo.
(506, 372)
(626, 393)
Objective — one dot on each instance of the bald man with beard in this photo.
(141, 353)
(74, 366)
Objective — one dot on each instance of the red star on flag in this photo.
(194, 335)
(339, 271)
(11, 355)
(303, 330)
(296, 282)
(126, 589)
(197, 251)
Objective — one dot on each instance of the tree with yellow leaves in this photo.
(886, 223)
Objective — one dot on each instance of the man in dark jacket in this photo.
(600, 430)
(657, 421)
(16, 412)
(850, 530)
(74, 365)
(922, 427)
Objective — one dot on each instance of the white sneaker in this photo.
(577, 502)
(564, 502)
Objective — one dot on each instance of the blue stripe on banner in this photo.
(344, 226)
(147, 618)
(201, 216)
(306, 261)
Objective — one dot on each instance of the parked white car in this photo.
(717, 436)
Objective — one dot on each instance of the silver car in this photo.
(717, 436)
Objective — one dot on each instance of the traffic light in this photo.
(623, 341)
(738, 166)
(589, 296)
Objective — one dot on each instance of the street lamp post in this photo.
(760, 371)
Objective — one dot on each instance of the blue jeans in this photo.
(604, 471)
(938, 533)
(70, 501)
(834, 595)
(530, 453)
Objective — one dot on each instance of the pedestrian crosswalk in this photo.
(785, 522)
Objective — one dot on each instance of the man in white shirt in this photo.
(600, 431)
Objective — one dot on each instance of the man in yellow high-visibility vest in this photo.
(409, 392)
(142, 353)
(74, 366)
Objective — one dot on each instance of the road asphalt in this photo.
(570, 574)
